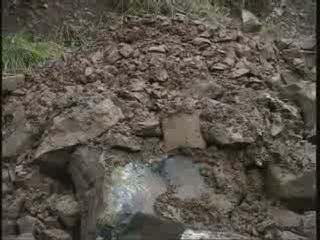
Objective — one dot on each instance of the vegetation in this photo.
(20, 52)
(170, 7)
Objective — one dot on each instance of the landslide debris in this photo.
(151, 86)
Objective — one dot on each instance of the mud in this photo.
(120, 95)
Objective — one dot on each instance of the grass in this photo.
(19, 52)
(170, 7)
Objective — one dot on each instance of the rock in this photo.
(81, 124)
(240, 72)
(158, 49)
(285, 219)
(13, 209)
(250, 23)
(88, 71)
(290, 77)
(126, 50)
(113, 56)
(145, 226)
(9, 227)
(56, 234)
(207, 89)
(134, 188)
(309, 225)
(219, 66)
(162, 76)
(11, 83)
(308, 43)
(149, 128)
(242, 50)
(26, 224)
(284, 43)
(201, 41)
(297, 193)
(175, 169)
(291, 53)
(285, 235)
(226, 136)
(85, 168)
(129, 143)
(208, 235)
(20, 140)
(306, 101)
(68, 210)
(182, 130)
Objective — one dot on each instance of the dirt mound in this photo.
(237, 105)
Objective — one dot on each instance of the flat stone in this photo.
(240, 72)
(158, 49)
(11, 83)
(68, 210)
(284, 43)
(290, 77)
(308, 43)
(149, 128)
(309, 225)
(200, 41)
(129, 143)
(79, 126)
(56, 234)
(182, 130)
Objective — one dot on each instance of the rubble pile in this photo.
(242, 108)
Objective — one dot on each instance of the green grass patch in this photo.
(19, 53)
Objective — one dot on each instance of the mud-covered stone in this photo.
(81, 124)
(182, 130)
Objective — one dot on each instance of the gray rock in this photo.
(221, 135)
(133, 188)
(285, 219)
(26, 224)
(25, 236)
(128, 143)
(309, 225)
(68, 210)
(158, 49)
(240, 72)
(126, 50)
(284, 43)
(12, 209)
(20, 140)
(11, 83)
(308, 43)
(182, 130)
(149, 128)
(162, 76)
(285, 235)
(201, 41)
(56, 234)
(79, 126)
(144, 227)
(306, 100)
(184, 175)
(85, 168)
(291, 53)
(290, 77)
(208, 235)
(297, 193)
(250, 23)
(113, 56)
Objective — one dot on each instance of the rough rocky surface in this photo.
(132, 99)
